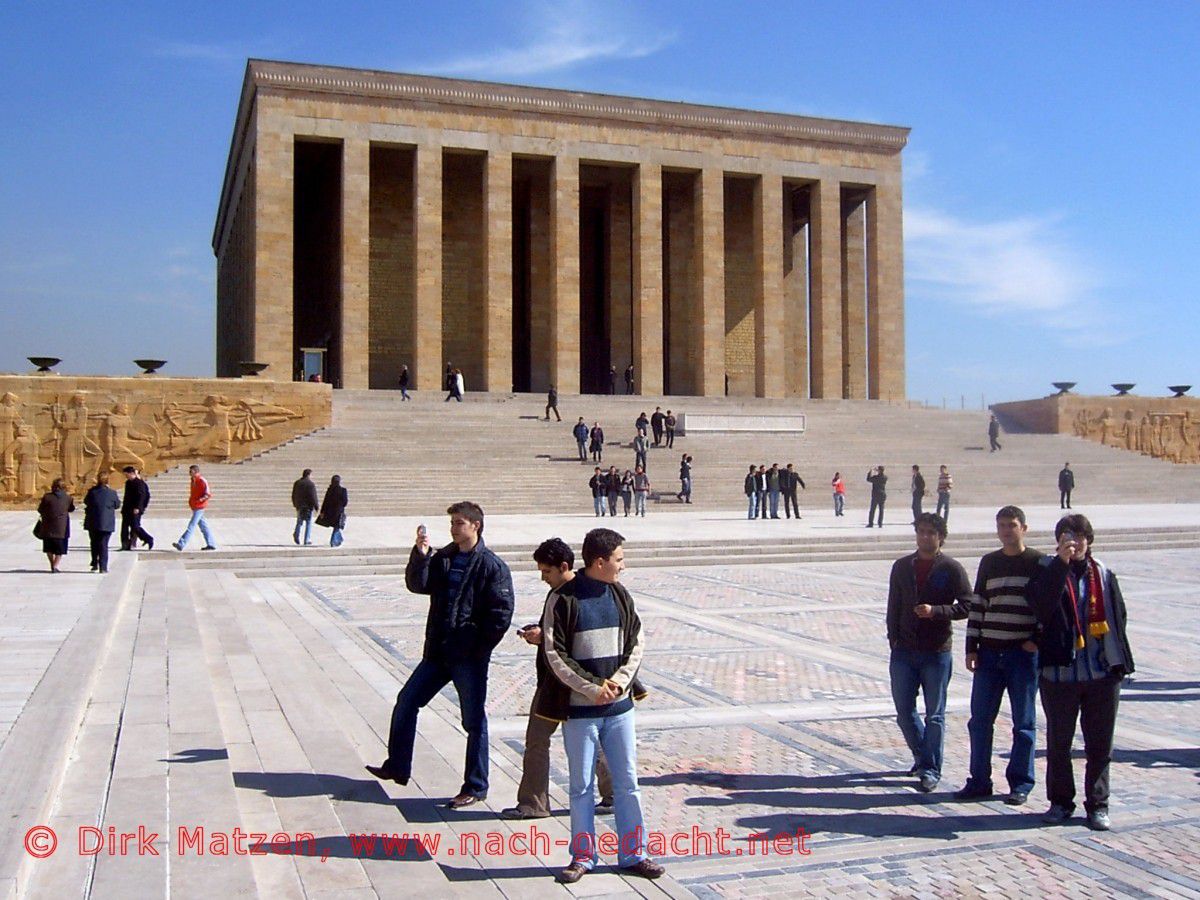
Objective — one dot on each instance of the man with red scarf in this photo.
(1084, 655)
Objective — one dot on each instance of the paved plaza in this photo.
(173, 697)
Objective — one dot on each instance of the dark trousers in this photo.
(876, 504)
(762, 505)
(916, 507)
(1064, 499)
(995, 443)
(612, 503)
(99, 547)
(639, 459)
(657, 435)
(556, 415)
(790, 502)
(670, 437)
(131, 528)
(470, 682)
(1094, 705)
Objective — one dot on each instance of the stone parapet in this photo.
(1162, 427)
(73, 427)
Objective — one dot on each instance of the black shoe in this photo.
(604, 807)
(383, 773)
(150, 544)
(927, 783)
(1056, 815)
(971, 792)
(296, 539)
(515, 812)
(1098, 820)
(1016, 798)
(571, 873)
(208, 548)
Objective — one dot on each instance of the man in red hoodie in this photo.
(198, 501)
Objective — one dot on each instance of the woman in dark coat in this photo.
(100, 520)
(333, 510)
(54, 514)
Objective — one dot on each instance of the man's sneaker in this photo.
(1098, 820)
(1017, 798)
(178, 546)
(1056, 815)
(647, 868)
(970, 792)
(208, 548)
(572, 873)
(927, 783)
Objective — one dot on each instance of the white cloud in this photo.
(221, 55)
(1005, 267)
(561, 35)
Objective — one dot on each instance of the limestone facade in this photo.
(531, 236)
(73, 427)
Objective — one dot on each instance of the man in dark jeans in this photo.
(133, 506)
(918, 492)
(878, 495)
(926, 591)
(1066, 484)
(470, 608)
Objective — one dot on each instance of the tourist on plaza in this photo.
(552, 404)
(918, 492)
(404, 383)
(100, 507)
(792, 484)
(669, 426)
(639, 449)
(599, 485)
(629, 379)
(994, 433)
(927, 590)
(198, 497)
(878, 495)
(641, 491)
(642, 424)
(594, 645)
(597, 443)
(555, 562)
(773, 489)
(1066, 484)
(627, 491)
(455, 386)
(580, 431)
(305, 502)
(134, 500)
(656, 424)
(470, 607)
(612, 380)
(54, 523)
(761, 487)
(448, 378)
(333, 510)
(944, 485)
(750, 487)
(1003, 655)
(613, 489)
(839, 494)
(685, 479)
(1084, 656)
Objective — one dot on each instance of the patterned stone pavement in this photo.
(770, 715)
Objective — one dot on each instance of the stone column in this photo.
(426, 326)
(795, 291)
(769, 326)
(498, 226)
(274, 189)
(708, 349)
(648, 279)
(854, 300)
(825, 211)
(356, 251)
(564, 302)
(885, 297)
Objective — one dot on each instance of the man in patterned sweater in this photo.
(1003, 655)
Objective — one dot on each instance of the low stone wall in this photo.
(72, 427)
(695, 423)
(1162, 427)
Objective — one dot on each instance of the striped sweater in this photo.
(1000, 617)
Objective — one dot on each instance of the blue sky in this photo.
(1052, 177)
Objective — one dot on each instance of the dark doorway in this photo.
(595, 352)
(317, 253)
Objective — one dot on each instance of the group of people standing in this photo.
(611, 486)
(100, 506)
(763, 488)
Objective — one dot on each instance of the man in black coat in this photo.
(1066, 484)
(878, 495)
(792, 484)
(133, 507)
(470, 608)
(305, 502)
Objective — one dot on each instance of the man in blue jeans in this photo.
(926, 591)
(1004, 657)
(470, 607)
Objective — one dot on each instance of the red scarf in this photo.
(1097, 624)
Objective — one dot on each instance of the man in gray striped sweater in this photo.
(1003, 655)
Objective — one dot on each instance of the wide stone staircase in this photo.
(400, 458)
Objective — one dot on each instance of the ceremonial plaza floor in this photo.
(192, 703)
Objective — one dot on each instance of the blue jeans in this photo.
(773, 496)
(998, 671)
(928, 672)
(335, 539)
(197, 520)
(582, 451)
(752, 507)
(470, 682)
(839, 504)
(600, 504)
(943, 505)
(305, 518)
(617, 736)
